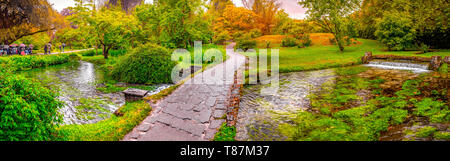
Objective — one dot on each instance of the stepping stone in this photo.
(132, 94)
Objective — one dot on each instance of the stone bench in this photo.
(132, 94)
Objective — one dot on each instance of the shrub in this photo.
(89, 53)
(254, 33)
(246, 44)
(332, 41)
(222, 37)
(28, 111)
(289, 42)
(395, 31)
(147, 63)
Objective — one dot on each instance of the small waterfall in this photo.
(400, 65)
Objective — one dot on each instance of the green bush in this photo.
(147, 63)
(289, 42)
(254, 33)
(20, 63)
(395, 31)
(246, 44)
(28, 111)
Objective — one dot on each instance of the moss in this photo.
(442, 135)
(426, 132)
(225, 133)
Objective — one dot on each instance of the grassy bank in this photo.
(316, 57)
(21, 63)
(111, 129)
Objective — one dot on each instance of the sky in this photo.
(290, 6)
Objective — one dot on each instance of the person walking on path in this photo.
(45, 49)
(49, 47)
(63, 45)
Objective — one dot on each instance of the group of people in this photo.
(16, 49)
(23, 49)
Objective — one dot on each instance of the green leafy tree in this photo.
(396, 31)
(175, 23)
(113, 28)
(28, 111)
(332, 16)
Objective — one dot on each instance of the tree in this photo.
(126, 5)
(395, 31)
(175, 23)
(266, 11)
(113, 28)
(22, 18)
(216, 7)
(332, 16)
(235, 20)
(109, 28)
(429, 17)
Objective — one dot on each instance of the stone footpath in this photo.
(196, 110)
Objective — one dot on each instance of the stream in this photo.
(77, 84)
(259, 115)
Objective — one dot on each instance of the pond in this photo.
(77, 85)
(259, 115)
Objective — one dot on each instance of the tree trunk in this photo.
(105, 51)
(339, 43)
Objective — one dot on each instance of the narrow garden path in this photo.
(196, 110)
(72, 51)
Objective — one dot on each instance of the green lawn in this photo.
(321, 57)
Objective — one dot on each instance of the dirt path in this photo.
(194, 111)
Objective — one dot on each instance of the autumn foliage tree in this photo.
(234, 21)
(266, 11)
(20, 18)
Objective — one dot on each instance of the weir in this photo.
(415, 67)
(414, 63)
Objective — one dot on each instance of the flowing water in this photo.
(415, 67)
(259, 115)
(76, 84)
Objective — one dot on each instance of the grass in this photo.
(317, 57)
(111, 129)
(225, 133)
